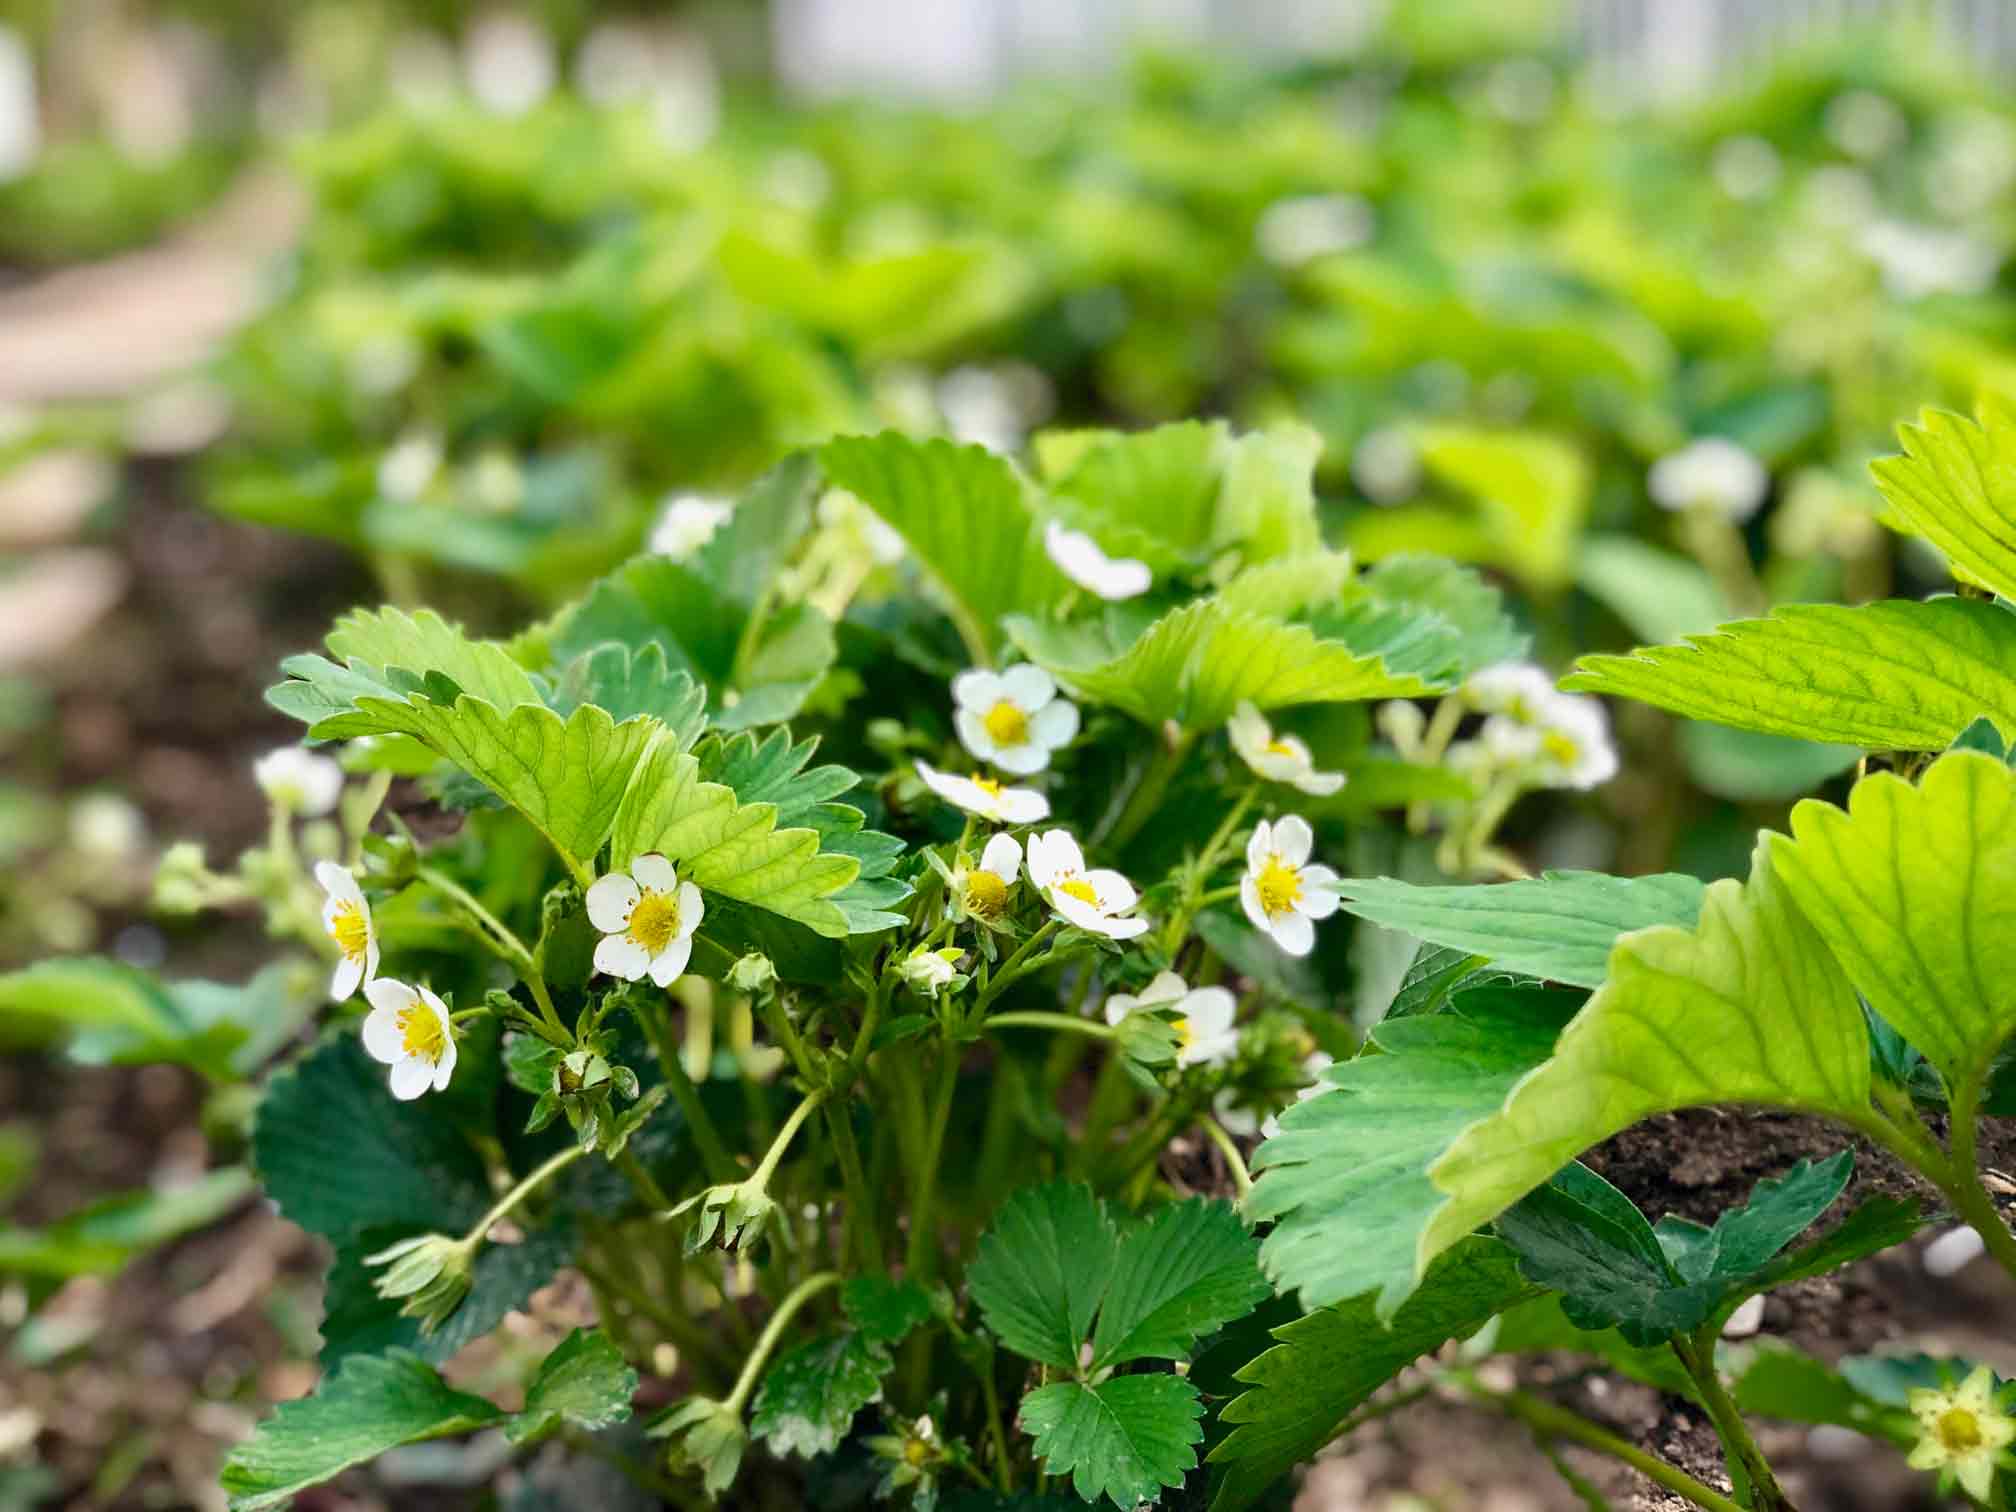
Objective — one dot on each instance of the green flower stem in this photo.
(1551, 1421)
(1062, 1022)
(1717, 544)
(921, 1257)
(1697, 1354)
(777, 1014)
(639, 1176)
(510, 1200)
(358, 811)
(713, 1152)
(1195, 898)
(1017, 965)
(766, 1342)
(864, 1039)
(1898, 1129)
(502, 940)
(773, 1156)
(1234, 1161)
(1149, 791)
(858, 1230)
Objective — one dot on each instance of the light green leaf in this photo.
(811, 1392)
(1126, 1438)
(1196, 665)
(1151, 495)
(423, 643)
(584, 1382)
(628, 683)
(1041, 1269)
(1345, 1182)
(1327, 1364)
(369, 1406)
(1955, 485)
(1658, 594)
(1267, 505)
(1749, 1006)
(965, 513)
(102, 1237)
(725, 846)
(1893, 675)
(1424, 615)
(1531, 491)
(1558, 926)
(1914, 890)
(1190, 1269)
(1754, 768)
(119, 1014)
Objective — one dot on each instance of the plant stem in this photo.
(1015, 966)
(1234, 1161)
(775, 1154)
(641, 1178)
(1697, 1353)
(518, 1193)
(1063, 1022)
(1195, 898)
(921, 1256)
(1898, 1129)
(502, 939)
(759, 1356)
(1558, 1422)
(1148, 792)
(858, 1230)
(713, 1153)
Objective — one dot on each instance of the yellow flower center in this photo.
(1006, 724)
(351, 930)
(1079, 888)
(916, 1451)
(1280, 748)
(420, 1032)
(655, 921)
(1959, 1431)
(986, 895)
(1185, 1035)
(1560, 748)
(991, 786)
(1279, 885)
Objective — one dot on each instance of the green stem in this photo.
(1557, 1422)
(775, 1154)
(518, 1193)
(1016, 966)
(635, 1172)
(1234, 1161)
(1195, 898)
(864, 1041)
(1148, 792)
(1697, 1354)
(502, 939)
(858, 1230)
(713, 1153)
(921, 1257)
(759, 1356)
(1063, 1022)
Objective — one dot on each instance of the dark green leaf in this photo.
(884, 1309)
(1126, 1438)
(584, 1382)
(1041, 1269)
(811, 1393)
(1190, 1269)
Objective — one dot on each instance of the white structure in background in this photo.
(509, 61)
(20, 115)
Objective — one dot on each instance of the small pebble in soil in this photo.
(1952, 1252)
(1746, 1320)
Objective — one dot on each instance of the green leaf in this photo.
(1580, 1236)
(1151, 495)
(1873, 1227)
(1913, 889)
(584, 1382)
(100, 1238)
(1267, 505)
(811, 1393)
(1541, 1327)
(1746, 1239)
(965, 514)
(1436, 619)
(1753, 768)
(1345, 1182)
(1531, 492)
(725, 846)
(124, 1016)
(1196, 665)
(1747, 1007)
(1329, 1363)
(1559, 926)
(369, 1406)
(423, 643)
(884, 1309)
(1658, 594)
(628, 683)
(1774, 1380)
(1190, 1269)
(1042, 1268)
(1955, 485)
(1893, 675)
(1126, 1438)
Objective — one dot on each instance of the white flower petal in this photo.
(1116, 893)
(348, 974)
(1121, 929)
(1260, 846)
(1022, 760)
(1249, 730)
(1167, 987)
(655, 872)
(411, 1077)
(1249, 899)
(1077, 911)
(1021, 806)
(692, 909)
(977, 689)
(1293, 839)
(671, 961)
(439, 1009)
(1320, 784)
(1055, 724)
(444, 1069)
(370, 950)
(1119, 1005)
(973, 735)
(621, 956)
(1318, 899)
(1294, 933)
(384, 1040)
(610, 899)
(1028, 686)
(1209, 1010)
(1003, 857)
(1053, 854)
(338, 883)
(388, 992)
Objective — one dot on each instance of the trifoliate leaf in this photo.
(1197, 664)
(1745, 1239)
(630, 682)
(369, 1406)
(1127, 1438)
(884, 1309)
(773, 770)
(425, 643)
(1042, 1268)
(584, 1382)
(1873, 1227)
(1580, 1236)
(1893, 675)
(725, 846)
(1913, 889)
(1190, 1269)
(965, 514)
(1953, 487)
(1747, 1007)
(1434, 618)
(1558, 926)
(811, 1392)
(1345, 1182)
(1327, 1364)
